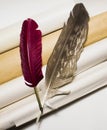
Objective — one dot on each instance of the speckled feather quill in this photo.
(62, 63)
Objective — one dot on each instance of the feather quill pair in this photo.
(62, 63)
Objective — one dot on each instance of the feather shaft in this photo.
(38, 99)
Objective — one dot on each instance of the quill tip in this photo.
(41, 109)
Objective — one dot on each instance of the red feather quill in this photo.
(30, 53)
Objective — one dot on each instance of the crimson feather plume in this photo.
(30, 52)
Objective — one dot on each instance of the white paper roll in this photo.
(92, 55)
(26, 109)
(15, 89)
(49, 20)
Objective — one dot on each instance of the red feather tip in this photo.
(30, 52)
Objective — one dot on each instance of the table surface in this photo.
(89, 113)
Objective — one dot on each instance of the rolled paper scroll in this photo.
(10, 61)
(10, 65)
(26, 109)
(91, 56)
(49, 18)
